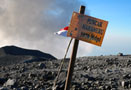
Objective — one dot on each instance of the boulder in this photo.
(10, 82)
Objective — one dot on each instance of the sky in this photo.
(31, 24)
(118, 34)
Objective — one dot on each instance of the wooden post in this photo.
(73, 58)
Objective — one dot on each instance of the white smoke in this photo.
(31, 24)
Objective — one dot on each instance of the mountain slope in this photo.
(14, 54)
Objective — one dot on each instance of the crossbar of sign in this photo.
(87, 28)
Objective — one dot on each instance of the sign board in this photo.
(87, 28)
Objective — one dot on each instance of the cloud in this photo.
(85, 49)
(31, 24)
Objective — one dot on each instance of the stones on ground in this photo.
(49, 75)
(10, 82)
(23, 88)
(127, 76)
(61, 81)
(126, 84)
(85, 68)
(90, 73)
(89, 78)
(2, 81)
(3, 88)
(108, 71)
(41, 66)
(31, 75)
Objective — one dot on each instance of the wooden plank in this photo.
(87, 28)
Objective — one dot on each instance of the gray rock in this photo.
(3, 88)
(10, 82)
(127, 76)
(31, 75)
(24, 88)
(2, 81)
(108, 71)
(41, 66)
(37, 86)
(125, 84)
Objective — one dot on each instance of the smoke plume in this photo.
(32, 23)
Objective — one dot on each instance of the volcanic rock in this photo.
(2, 81)
(10, 82)
(41, 66)
(90, 73)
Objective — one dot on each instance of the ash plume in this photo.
(32, 23)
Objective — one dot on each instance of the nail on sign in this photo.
(87, 28)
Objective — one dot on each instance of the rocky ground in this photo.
(90, 73)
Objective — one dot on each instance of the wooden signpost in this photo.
(85, 28)
(73, 57)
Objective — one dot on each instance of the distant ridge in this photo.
(14, 50)
(14, 54)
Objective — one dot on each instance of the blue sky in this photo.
(118, 34)
(117, 12)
